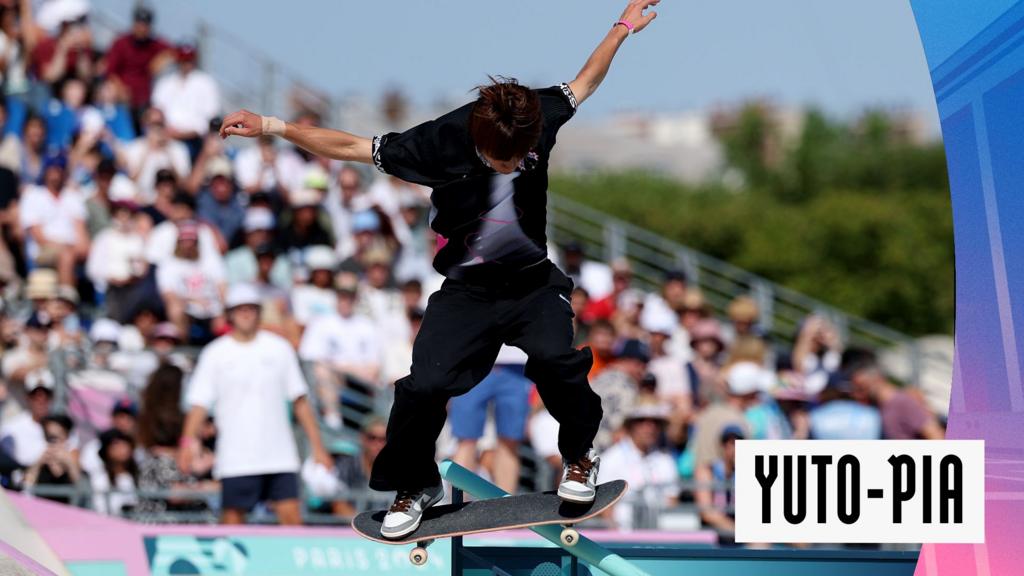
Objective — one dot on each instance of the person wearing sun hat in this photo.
(248, 379)
(639, 459)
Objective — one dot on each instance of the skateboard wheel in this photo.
(418, 556)
(569, 537)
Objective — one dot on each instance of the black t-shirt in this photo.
(493, 224)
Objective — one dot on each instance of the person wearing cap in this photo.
(189, 97)
(487, 163)
(743, 383)
(117, 262)
(192, 289)
(716, 484)
(345, 349)
(669, 301)
(153, 151)
(707, 346)
(306, 224)
(41, 287)
(52, 217)
(135, 57)
(22, 436)
(217, 201)
(247, 379)
(639, 459)
(242, 263)
(379, 299)
(32, 352)
(67, 324)
(618, 385)
(671, 375)
(743, 313)
(316, 297)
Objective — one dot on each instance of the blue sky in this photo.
(840, 55)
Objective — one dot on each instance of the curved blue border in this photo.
(976, 54)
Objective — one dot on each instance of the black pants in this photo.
(464, 327)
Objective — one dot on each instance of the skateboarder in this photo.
(487, 164)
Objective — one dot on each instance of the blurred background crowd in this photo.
(124, 219)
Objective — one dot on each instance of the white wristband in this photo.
(272, 125)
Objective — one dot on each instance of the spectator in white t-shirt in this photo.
(316, 297)
(594, 277)
(345, 348)
(117, 261)
(189, 97)
(637, 459)
(22, 436)
(162, 241)
(153, 151)
(53, 217)
(247, 379)
(192, 290)
(265, 168)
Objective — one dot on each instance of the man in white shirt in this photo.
(345, 347)
(247, 378)
(189, 97)
(650, 471)
(53, 218)
(265, 168)
(22, 435)
(152, 152)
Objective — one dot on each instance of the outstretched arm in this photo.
(596, 68)
(325, 142)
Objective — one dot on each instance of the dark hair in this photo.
(506, 121)
(61, 420)
(160, 419)
(131, 467)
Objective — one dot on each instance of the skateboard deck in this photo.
(522, 511)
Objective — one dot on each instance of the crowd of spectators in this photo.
(126, 220)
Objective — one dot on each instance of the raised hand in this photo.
(242, 123)
(634, 14)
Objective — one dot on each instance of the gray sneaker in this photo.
(579, 479)
(405, 514)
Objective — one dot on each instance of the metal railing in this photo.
(782, 309)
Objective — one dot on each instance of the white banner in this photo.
(860, 491)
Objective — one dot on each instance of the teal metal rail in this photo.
(586, 549)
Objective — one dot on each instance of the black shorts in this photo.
(244, 492)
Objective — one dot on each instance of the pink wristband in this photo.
(627, 24)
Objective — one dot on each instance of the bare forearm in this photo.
(193, 422)
(304, 414)
(596, 68)
(334, 144)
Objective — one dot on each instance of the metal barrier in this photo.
(782, 309)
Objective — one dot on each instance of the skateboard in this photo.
(522, 511)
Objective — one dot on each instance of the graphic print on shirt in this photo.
(500, 237)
